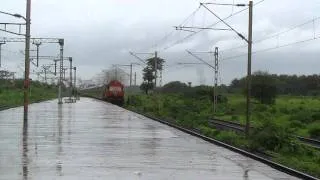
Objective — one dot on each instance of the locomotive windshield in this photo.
(115, 88)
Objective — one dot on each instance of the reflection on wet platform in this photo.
(96, 140)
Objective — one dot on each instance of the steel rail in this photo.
(256, 157)
(223, 124)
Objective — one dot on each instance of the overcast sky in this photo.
(99, 33)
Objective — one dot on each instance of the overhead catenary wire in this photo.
(224, 22)
(276, 34)
(195, 56)
(12, 52)
(212, 25)
(288, 30)
(190, 35)
(171, 32)
(273, 48)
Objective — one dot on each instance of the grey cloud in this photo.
(100, 33)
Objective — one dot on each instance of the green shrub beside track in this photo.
(274, 124)
(11, 93)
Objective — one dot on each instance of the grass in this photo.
(298, 113)
(289, 115)
(288, 111)
(95, 92)
(12, 94)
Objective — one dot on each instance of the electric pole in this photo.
(75, 80)
(55, 67)
(155, 68)
(249, 69)
(1, 43)
(37, 44)
(70, 82)
(45, 76)
(249, 41)
(160, 81)
(27, 64)
(64, 74)
(61, 43)
(216, 74)
(131, 74)
(131, 67)
(116, 72)
(45, 69)
(135, 78)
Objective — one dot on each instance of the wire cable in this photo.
(272, 48)
(224, 22)
(276, 34)
(210, 26)
(170, 33)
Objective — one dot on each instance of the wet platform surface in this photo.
(95, 140)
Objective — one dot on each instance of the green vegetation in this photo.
(282, 106)
(11, 92)
(94, 92)
(285, 84)
(264, 87)
(274, 123)
(153, 64)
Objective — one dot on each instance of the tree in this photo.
(156, 64)
(148, 78)
(237, 85)
(174, 86)
(151, 63)
(264, 88)
(145, 86)
(286, 84)
(149, 74)
(6, 74)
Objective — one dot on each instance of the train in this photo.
(114, 93)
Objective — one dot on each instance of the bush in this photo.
(273, 110)
(284, 110)
(316, 116)
(270, 137)
(297, 124)
(220, 98)
(262, 116)
(264, 87)
(302, 116)
(314, 131)
(207, 131)
(305, 164)
(174, 87)
(234, 118)
(261, 108)
(228, 137)
(19, 83)
(134, 100)
(187, 121)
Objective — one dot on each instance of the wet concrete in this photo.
(95, 140)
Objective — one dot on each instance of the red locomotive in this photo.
(114, 93)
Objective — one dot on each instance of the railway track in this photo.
(3, 107)
(311, 142)
(237, 127)
(227, 125)
(257, 157)
(196, 133)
